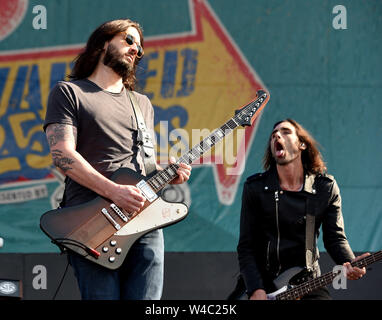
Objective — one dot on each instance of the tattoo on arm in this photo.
(60, 132)
(60, 161)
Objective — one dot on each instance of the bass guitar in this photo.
(297, 282)
(103, 233)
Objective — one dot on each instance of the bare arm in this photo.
(62, 142)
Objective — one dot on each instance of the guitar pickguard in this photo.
(284, 278)
(159, 213)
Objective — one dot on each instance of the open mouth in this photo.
(129, 58)
(279, 149)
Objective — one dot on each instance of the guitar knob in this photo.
(113, 243)
(111, 259)
(118, 251)
(105, 249)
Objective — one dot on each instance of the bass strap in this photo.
(311, 254)
(144, 138)
(309, 240)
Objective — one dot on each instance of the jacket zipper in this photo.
(278, 231)
(268, 248)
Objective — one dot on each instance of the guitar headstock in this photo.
(248, 113)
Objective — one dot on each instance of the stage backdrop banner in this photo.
(203, 60)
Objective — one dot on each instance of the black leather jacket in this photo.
(272, 226)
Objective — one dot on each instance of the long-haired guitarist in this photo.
(283, 210)
(92, 131)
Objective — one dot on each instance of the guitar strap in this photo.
(310, 238)
(144, 137)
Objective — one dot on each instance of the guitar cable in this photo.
(62, 280)
(61, 242)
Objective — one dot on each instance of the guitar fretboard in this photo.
(242, 117)
(319, 282)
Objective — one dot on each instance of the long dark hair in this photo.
(86, 62)
(311, 157)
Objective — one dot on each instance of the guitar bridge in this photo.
(110, 218)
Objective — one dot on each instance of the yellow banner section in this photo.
(24, 89)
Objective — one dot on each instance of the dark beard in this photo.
(115, 61)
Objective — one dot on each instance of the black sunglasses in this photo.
(130, 40)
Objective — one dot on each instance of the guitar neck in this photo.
(165, 176)
(242, 117)
(368, 260)
(319, 282)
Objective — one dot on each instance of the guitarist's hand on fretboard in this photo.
(184, 172)
(353, 272)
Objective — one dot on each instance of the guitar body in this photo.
(87, 231)
(289, 279)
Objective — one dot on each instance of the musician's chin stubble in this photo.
(116, 61)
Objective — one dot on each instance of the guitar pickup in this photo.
(118, 212)
(111, 219)
(149, 194)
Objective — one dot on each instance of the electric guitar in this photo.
(297, 282)
(103, 233)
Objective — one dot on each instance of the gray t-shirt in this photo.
(106, 128)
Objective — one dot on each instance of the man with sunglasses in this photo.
(92, 131)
